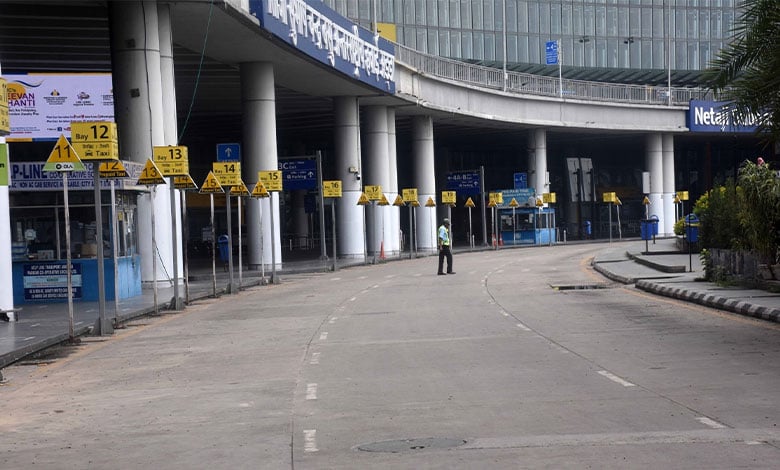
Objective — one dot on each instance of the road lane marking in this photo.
(28, 338)
(616, 379)
(333, 320)
(335, 279)
(323, 336)
(523, 327)
(310, 440)
(311, 391)
(710, 423)
(315, 358)
(353, 299)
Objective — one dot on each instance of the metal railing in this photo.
(539, 85)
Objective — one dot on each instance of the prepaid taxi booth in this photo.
(38, 234)
(527, 223)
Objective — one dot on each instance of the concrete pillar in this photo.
(350, 217)
(537, 162)
(377, 172)
(6, 258)
(170, 123)
(393, 240)
(669, 187)
(654, 164)
(425, 182)
(138, 105)
(258, 101)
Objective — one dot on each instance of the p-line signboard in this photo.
(320, 32)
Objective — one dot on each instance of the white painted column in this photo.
(393, 241)
(6, 258)
(258, 100)
(170, 123)
(537, 163)
(350, 219)
(669, 187)
(377, 172)
(654, 164)
(139, 113)
(425, 182)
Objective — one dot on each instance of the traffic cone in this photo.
(500, 240)
(382, 249)
(493, 241)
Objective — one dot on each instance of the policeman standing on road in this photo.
(444, 247)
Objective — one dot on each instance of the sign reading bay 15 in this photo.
(321, 33)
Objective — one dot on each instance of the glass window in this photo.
(490, 47)
(680, 55)
(444, 13)
(693, 55)
(704, 55)
(544, 19)
(410, 37)
(465, 18)
(433, 41)
(611, 22)
(622, 18)
(522, 49)
(646, 59)
(647, 23)
(634, 23)
(611, 53)
(468, 51)
(487, 15)
(422, 40)
(352, 9)
(658, 23)
(716, 24)
(408, 13)
(601, 53)
(533, 18)
(555, 20)
(693, 24)
(476, 15)
(577, 21)
(431, 15)
(365, 10)
(455, 44)
(419, 12)
(386, 11)
(511, 48)
(704, 25)
(680, 23)
(455, 13)
(522, 17)
(566, 20)
(479, 45)
(535, 48)
(444, 43)
(511, 16)
(659, 51)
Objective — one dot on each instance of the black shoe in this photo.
(450, 272)
(440, 274)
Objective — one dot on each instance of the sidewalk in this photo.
(664, 271)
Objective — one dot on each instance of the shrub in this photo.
(760, 209)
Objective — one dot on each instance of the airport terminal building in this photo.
(521, 98)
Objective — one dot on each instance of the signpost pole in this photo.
(333, 228)
(323, 248)
(104, 326)
(610, 222)
(213, 250)
(176, 304)
(115, 248)
(240, 252)
(185, 230)
(71, 331)
(471, 235)
(484, 209)
(229, 241)
(273, 241)
(411, 232)
(154, 251)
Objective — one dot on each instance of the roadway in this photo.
(523, 359)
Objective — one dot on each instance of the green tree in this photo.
(760, 209)
(746, 73)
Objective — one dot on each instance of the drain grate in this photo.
(578, 286)
(409, 445)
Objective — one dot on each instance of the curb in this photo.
(709, 300)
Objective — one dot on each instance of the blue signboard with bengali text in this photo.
(298, 174)
(464, 182)
(708, 116)
(321, 33)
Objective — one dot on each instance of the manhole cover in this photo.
(410, 445)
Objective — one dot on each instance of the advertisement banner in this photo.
(49, 281)
(42, 106)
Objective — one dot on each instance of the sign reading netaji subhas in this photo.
(709, 116)
(320, 32)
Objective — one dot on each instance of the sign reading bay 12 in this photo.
(95, 141)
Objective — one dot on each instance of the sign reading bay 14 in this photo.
(328, 37)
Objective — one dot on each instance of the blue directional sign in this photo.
(521, 180)
(551, 52)
(464, 182)
(298, 174)
(228, 152)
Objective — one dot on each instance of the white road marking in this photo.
(375, 286)
(333, 320)
(616, 379)
(390, 276)
(335, 279)
(310, 440)
(523, 327)
(38, 324)
(353, 299)
(315, 358)
(504, 314)
(323, 336)
(28, 338)
(311, 391)
(753, 443)
(361, 277)
(710, 422)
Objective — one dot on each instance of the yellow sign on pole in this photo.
(383, 201)
(239, 190)
(228, 173)
(113, 169)
(373, 193)
(5, 121)
(470, 203)
(646, 201)
(409, 194)
(448, 197)
(363, 201)
(63, 157)
(331, 188)
(184, 182)
(549, 198)
(683, 195)
(211, 185)
(272, 180)
(399, 201)
(430, 203)
(150, 175)
(260, 191)
(496, 198)
(514, 203)
(95, 140)
(609, 197)
(415, 203)
(171, 160)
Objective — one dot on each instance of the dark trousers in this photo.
(445, 252)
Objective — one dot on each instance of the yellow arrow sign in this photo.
(63, 157)
(150, 175)
(677, 199)
(211, 185)
(383, 201)
(113, 169)
(363, 200)
(239, 190)
(399, 201)
(260, 190)
(470, 203)
(430, 203)
(514, 203)
(646, 201)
